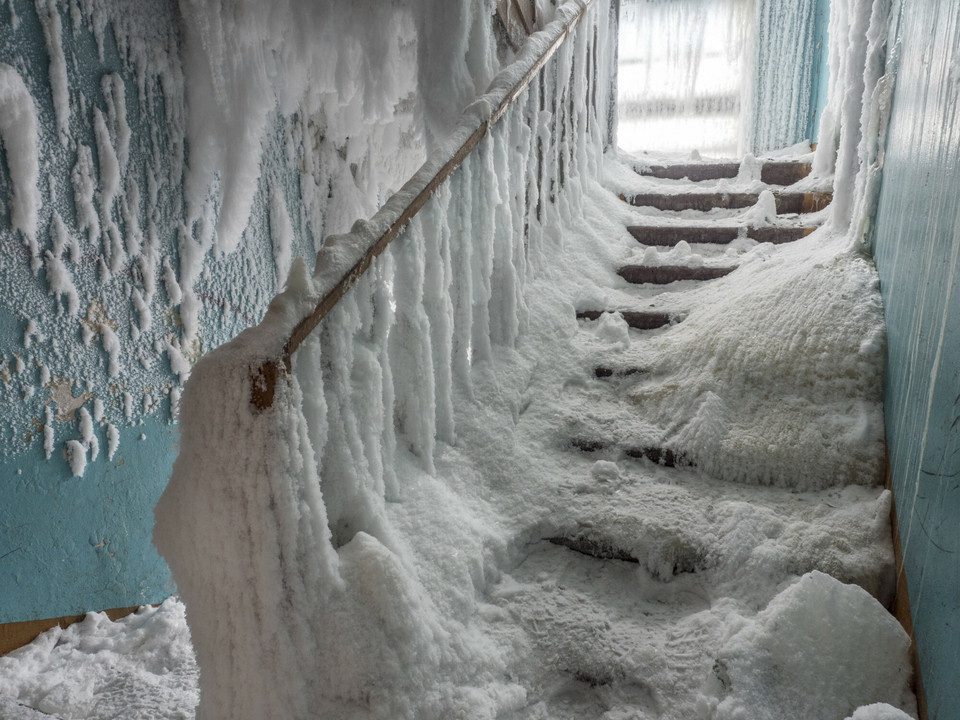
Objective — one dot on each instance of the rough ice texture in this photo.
(783, 65)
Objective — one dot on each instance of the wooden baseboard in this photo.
(901, 601)
(18, 634)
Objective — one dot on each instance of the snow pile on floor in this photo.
(793, 333)
(772, 667)
(141, 666)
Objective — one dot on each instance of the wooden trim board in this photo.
(17, 634)
(901, 600)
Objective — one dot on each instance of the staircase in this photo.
(705, 232)
(622, 598)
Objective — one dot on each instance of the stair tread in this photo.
(787, 202)
(663, 274)
(670, 235)
(773, 172)
(637, 319)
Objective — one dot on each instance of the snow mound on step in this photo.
(772, 668)
(775, 376)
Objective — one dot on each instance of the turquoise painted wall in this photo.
(788, 50)
(72, 544)
(820, 80)
(917, 249)
(174, 185)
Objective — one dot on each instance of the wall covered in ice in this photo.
(917, 247)
(784, 66)
(162, 164)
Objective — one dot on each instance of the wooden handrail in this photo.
(504, 91)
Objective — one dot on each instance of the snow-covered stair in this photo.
(660, 534)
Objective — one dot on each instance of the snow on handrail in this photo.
(344, 258)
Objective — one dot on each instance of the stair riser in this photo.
(663, 274)
(772, 173)
(635, 319)
(786, 202)
(671, 236)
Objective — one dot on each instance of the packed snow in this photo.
(409, 530)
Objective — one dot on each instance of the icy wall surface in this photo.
(126, 256)
(917, 246)
(784, 64)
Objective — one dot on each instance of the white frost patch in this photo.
(62, 240)
(113, 440)
(178, 363)
(763, 212)
(87, 435)
(48, 432)
(31, 332)
(60, 280)
(18, 128)
(111, 344)
(144, 315)
(113, 92)
(77, 457)
(613, 330)
(750, 169)
(84, 189)
(879, 711)
(109, 164)
(170, 283)
(145, 660)
(174, 404)
(53, 39)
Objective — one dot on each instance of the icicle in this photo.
(461, 248)
(482, 236)
(438, 303)
(411, 356)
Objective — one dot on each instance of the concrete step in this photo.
(656, 455)
(779, 172)
(586, 546)
(660, 456)
(787, 202)
(637, 319)
(603, 371)
(663, 274)
(670, 235)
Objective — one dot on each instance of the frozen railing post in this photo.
(275, 522)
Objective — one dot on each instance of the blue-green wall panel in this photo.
(820, 80)
(917, 248)
(74, 544)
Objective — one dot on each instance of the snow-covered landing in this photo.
(750, 582)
